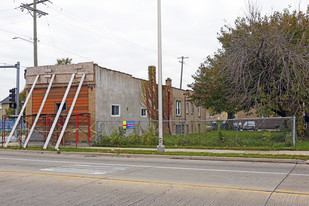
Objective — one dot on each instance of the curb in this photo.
(179, 157)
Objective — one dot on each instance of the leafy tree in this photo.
(266, 63)
(263, 64)
(149, 94)
(149, 98)
(64, 61)
(10, 111)
(210, 89)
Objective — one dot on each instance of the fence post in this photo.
(77, 130)
(236, 131)
(89, 130)
(96, 131)
(294, 130)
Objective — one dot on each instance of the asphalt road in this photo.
(53, 179)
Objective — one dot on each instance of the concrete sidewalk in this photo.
(185, 156)
(215, 151)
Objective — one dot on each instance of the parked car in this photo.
(249, 125)
(214, 125)
(237, 125)
(224, 124)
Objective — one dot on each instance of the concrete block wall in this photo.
(117, 88)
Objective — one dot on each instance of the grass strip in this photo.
(179, 153)
(262, 148)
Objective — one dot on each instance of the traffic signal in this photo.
(13, 105)
(12, 95)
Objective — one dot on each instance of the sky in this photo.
(121, 34)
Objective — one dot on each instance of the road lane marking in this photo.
(152, 167)
(84, 169)
(146, 182)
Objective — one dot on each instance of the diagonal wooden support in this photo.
(70, 112)
(21, 112)
(58, 113)
(39, 112)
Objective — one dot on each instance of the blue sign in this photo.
(128, 124)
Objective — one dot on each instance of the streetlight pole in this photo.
(160, 147)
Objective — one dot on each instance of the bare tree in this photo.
(266, 61)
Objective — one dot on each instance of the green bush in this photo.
(267, 136)
(115, 139)
(105, 141)
(218, 138)
(150, 137)
(288, 139)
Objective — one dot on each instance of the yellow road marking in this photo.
(159, 183)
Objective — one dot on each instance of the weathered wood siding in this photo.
(55, 96)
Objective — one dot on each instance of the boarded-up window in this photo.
(64, 108)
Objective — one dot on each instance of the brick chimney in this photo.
(168, 82)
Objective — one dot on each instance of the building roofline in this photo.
(5, 100)
(97, 65)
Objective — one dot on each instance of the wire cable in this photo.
(268, 199)
(15, 33)
(6, 10)
(52, 37)
(110, 35)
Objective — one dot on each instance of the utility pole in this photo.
(182, 58)
(35, 36)
(34, 13)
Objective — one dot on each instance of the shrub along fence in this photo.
(249, 132)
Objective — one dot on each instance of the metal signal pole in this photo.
(17, 66)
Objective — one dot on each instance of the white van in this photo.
(249, 125)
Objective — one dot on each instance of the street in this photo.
(35, 178)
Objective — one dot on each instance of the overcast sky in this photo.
(120, 34)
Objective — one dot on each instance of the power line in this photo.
(14, 33)
(14, 22)
(52, 37)
(6, 10)
(94, 29)
(99, 31)
(12, 16)
(111, 35)
(66, 51)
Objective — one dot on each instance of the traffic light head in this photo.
(12, 95)
(13, 105)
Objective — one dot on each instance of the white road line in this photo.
(149, 166)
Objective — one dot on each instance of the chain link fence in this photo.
(7, 124)
(249, 132)
(79, 129)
